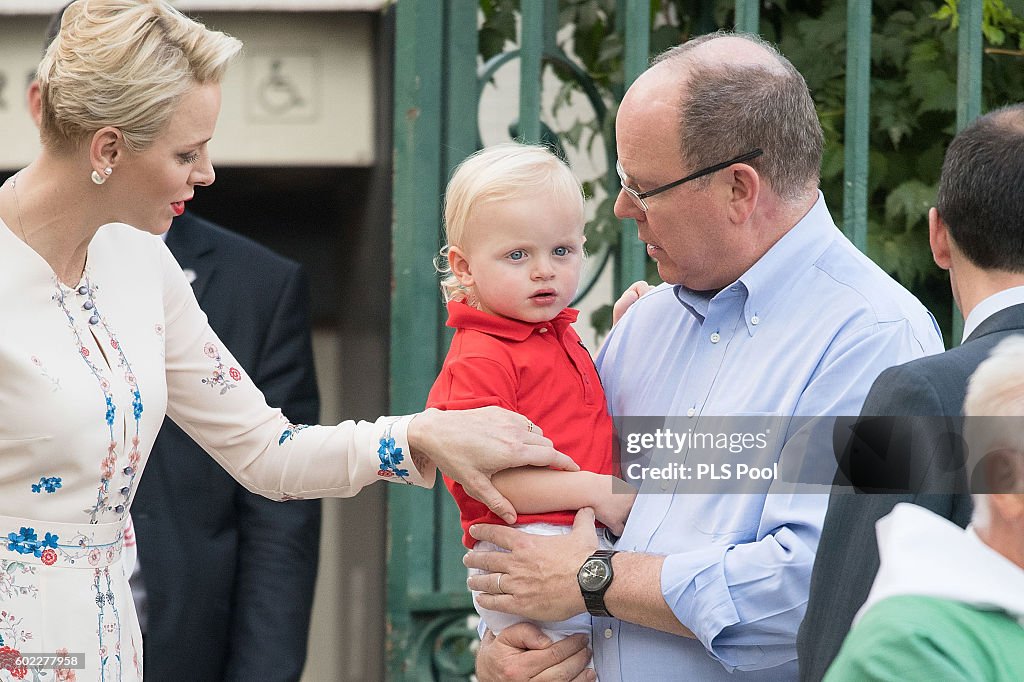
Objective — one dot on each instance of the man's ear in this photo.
(459, 266)
(744, 188)
(938, 239)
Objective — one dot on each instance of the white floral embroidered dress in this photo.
(86, 374)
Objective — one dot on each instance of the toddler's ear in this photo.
(460, 266)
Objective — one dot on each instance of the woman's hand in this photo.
(470, 445)
(628, 298)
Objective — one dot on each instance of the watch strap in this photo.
(594, 599)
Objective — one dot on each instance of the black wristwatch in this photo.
(595, 577)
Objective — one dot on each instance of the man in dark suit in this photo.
(976, 232)
(228, 575)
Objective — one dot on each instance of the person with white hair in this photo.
(948, 604)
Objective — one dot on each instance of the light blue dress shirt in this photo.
(804, 332)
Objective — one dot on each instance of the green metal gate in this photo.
(437, 87)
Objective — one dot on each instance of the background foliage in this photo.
(913, 100)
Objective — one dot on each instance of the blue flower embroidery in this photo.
(27, 542)
(391, 457)
(111, 410)
(47, 483)
(290, 432)
(137, 404)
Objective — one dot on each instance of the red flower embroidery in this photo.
(94, 557)
(63, 674)
(114, 344)
(85, 352)
(49, 557)
(385, 473)
(9, 659)
(235, 374)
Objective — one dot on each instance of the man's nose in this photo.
(625, 207)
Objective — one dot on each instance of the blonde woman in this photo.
(102, 337)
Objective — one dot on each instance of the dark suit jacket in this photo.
(847, 558)
(229, 575)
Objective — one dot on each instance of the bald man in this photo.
(767, 309)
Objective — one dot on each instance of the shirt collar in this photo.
(767, 279)
(922, 553)
(990, 306)
(462, 316)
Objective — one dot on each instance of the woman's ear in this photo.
(459, 265)
(106, 149)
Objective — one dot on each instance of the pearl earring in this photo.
(99, 179)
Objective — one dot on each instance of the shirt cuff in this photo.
(395, 455)
(695, 588)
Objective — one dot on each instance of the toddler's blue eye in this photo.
(561, 251)
(517, 255)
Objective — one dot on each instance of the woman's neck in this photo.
(55, 209)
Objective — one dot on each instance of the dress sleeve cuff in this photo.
(394, 454)
(695, 588)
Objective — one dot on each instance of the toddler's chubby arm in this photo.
(538, 490)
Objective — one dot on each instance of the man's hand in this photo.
(536, 578)
(628, 298)
(522, 652)
(470, 445)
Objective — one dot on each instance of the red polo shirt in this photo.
(541, 370)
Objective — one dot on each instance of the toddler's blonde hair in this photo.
(504, 171)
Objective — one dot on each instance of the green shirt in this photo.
(926, 638)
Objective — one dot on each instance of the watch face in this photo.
(594, 575)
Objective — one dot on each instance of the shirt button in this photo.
(607, 633)
(755, 319)
(543, 330)
(690, 412)
(715, 337)
(664, 485)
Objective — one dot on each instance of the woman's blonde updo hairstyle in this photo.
(502, 171)
(126, 64)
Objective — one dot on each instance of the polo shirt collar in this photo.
(462, 316)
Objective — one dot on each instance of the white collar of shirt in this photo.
(921, 553)
(990, 306)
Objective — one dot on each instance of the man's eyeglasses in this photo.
(638, 197)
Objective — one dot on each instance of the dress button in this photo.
(128, 471)
(88, 304)
(715, 337)
(607, 633)
(83, 290)
(119, 508)
(690, 412)
(94, 320)
(125, 490)
(755, 319)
